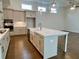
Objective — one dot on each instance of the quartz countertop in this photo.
(48, 32)
(2, 34)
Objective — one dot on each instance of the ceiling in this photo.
(48, 2)
(38, 1)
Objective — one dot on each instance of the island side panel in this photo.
(50, 46)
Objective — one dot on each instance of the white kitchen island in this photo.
(46, 40)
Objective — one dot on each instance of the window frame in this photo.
(26, 7)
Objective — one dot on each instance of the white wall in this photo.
(54, 21)
(50, 20)
(72, 20)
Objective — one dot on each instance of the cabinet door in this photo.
(42, 45)
(31, 37)
(19, 30)
(1, 56)
(5, 46)
(1, 20)
(19, 16)
(8, 14)
(37, 41)
(1, 7)
(2, 50)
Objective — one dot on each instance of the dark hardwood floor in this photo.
(73, 47)
(21, 48)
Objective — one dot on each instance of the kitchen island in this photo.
(46, 40)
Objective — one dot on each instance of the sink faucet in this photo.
(40, 26)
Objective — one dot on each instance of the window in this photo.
(26, 7)
(42, 9)
(53, 10)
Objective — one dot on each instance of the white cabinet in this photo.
(32, 38)
(1, 20)
(1, 7)
(1, 14)
(0, 52)
(18, 31)
(38, 41)
(18, 18)
(42, 45)
(8, 14)
(4, 42)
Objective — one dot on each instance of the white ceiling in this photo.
(39, 1)
(60, 3)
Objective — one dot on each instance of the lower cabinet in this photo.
(4, 42)
(0, 52)
(18, 31)
(42, 46)
(37, 41)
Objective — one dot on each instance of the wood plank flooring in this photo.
(21, 48)
(73, 48)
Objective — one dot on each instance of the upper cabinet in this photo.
(1, 7)
(19, 16)
(1, 14)
(6, 3)
(14, 14)
(8, 14)
(12, 4)
(30, 14)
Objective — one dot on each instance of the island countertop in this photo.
(48, 32)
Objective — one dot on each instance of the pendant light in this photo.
(73, 7)
(54, 4)
(53, 8)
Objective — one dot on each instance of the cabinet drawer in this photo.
(19, 30)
